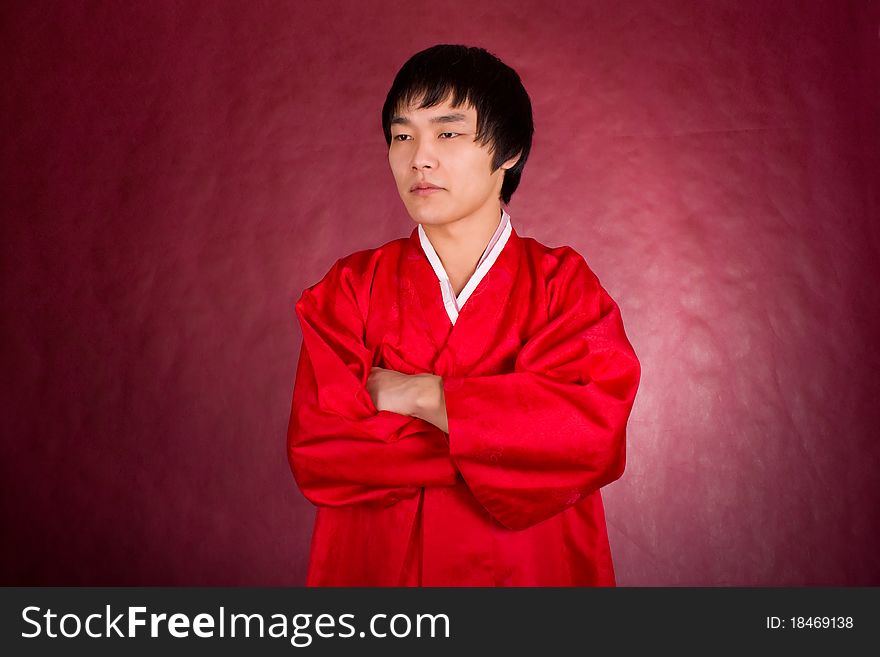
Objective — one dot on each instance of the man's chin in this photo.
(428, 218)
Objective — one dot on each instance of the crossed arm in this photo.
(528, 443)
(416, 395)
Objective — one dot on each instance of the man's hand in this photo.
(416, 395)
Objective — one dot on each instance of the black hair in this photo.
(471, 76)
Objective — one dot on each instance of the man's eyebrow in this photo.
(455, 117)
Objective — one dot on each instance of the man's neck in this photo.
(460, 244)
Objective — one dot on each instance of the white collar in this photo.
(452, 303)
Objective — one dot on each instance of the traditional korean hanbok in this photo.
(539, 380)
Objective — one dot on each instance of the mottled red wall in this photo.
(174, 174)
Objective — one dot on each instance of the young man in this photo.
(462, 394)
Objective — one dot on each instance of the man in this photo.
(462, 394)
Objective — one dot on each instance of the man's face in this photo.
(435, 146)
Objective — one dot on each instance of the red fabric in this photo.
(539, 380)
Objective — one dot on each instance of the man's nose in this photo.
(424, 156)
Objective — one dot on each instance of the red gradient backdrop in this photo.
(174, 174)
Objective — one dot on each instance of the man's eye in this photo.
(400, 137)
(452, 134)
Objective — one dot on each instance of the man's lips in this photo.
(423, 189)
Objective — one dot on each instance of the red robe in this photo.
(539, 380)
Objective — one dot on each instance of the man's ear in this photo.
(511, 162)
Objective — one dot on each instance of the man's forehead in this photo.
(464, 111)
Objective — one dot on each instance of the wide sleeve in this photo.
(341, 449)
(532, 442)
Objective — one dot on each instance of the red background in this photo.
(174, 174)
